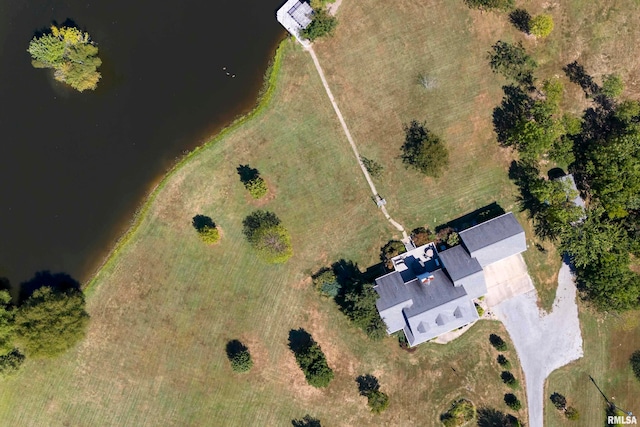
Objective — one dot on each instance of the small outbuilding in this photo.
(295, 16)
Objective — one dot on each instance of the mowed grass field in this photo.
(164, 308)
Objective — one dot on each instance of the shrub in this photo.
(504, 362)
(512, 401)
(257, 187)
(542, 25)
(461, 412)
(490, 4)
(270, 239)
(509, 379)
(239, 356)
(310, 358)
(421, 236)
(572, 413)
(391, 249)
(326, 282)
(323, 24)
(559, 401)
(206, 229)
(377, 401)
(612, 85)
(497, 342)
(480, 310)
(11, 362)
(453, 239)
(424, 151)
(374, 168)
(635, 363)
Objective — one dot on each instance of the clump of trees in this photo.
(239, 356)
(541, 25)
(634, 360)
(489, 417)
(252, 181)
(490, 4)
(513, 62)
(206, 229)
(310, 358)
(323, 24)
(369, 387)
(423, 150)
(268, 237)
(71, 53)
(497, 342)
(459, 413)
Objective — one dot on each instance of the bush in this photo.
(374, 168)
(421, 236)
(257, 187)
(453, 239)
(270, 239)
(542, 25)
(310, 358)
(559, 401)
(635, 363)
(377, 401)
(509, 379)
(11, 362)
(572, 413)
(490, 4)
(326, 282)
(323, 24)
(206, 229)
(424, 151)
(51, 321)
(392, 249)
(612, 85)
(497, 342)
(512, 401)
(239, 356)
(480, 310)
(504, 362)
(461, 412)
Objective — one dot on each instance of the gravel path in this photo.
(544, 342)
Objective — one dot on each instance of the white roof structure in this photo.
(295, 16)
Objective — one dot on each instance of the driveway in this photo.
(544, 343)
(506, 279)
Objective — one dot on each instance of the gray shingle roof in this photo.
(458, 263)
(491, 232)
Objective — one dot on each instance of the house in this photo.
(295, 16)
(430, 292)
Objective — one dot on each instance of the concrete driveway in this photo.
(506, 279)
(544, 343)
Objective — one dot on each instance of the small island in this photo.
(71, 53)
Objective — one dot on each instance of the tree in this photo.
(51, 321)
(555, 210)
(252, 181)
(490, 4)
(635, 363)
(572, 413)
(392, 249)
(512, 401)
(612, 85)
(542, 25)
(513, 62)
(11, 362)
(369, 386)
(489, 417)
(559, 401)
(268, 237)
(323, 24)
(509, 379)
(7, 323)
(71, 53)
(374, 168)
(310, 358)
(503, 361)
(306, 421)
(206, 229)
(360, 306)
(239, 356)
(424, 150)
(461, 412)
(327, 283)
(497, 342)
(421, 236)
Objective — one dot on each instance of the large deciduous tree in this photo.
(513, 62)
(424, 151)
(268, 237)
(71, 53)
(51, 321)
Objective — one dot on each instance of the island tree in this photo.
(423, 150)
(268, 237)
(71, 53)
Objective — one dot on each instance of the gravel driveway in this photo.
(543, 342)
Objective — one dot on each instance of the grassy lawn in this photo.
(609, 341)
(164, 309)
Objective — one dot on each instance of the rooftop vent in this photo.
(425, 278)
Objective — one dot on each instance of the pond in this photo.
(75, 166)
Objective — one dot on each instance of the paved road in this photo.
(544, 342)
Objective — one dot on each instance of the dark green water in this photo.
(73, 167)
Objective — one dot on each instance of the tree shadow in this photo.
(299, 340)
(521, 20)
(306, 421)
(247, 173)
(515, 104)
(555, 173)
(577, 74)
(490, 417)
(59, 282)
(367, 383)
(478, 216)
(201, 222)
(235, 347)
